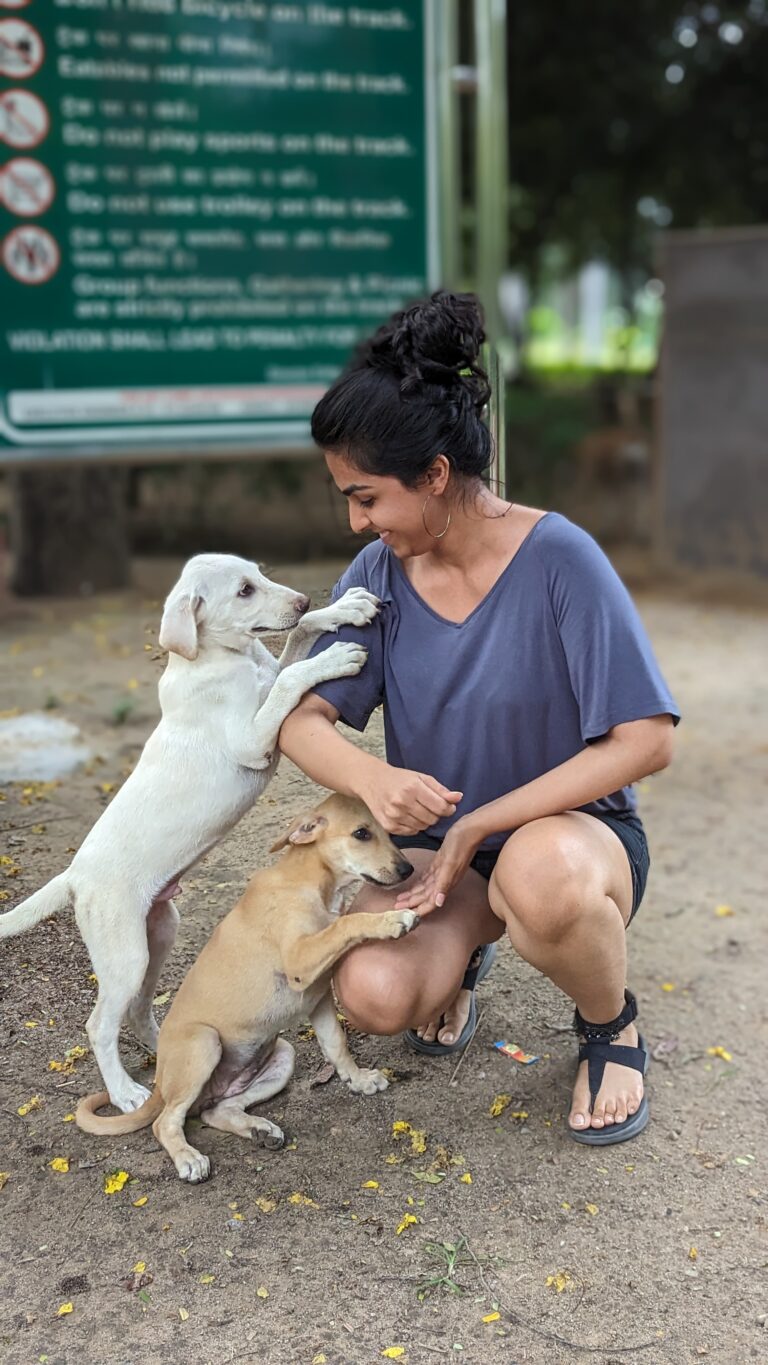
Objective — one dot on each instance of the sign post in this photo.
(203, 204)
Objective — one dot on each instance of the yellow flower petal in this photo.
(60, 1163)
(499, 1104)
(319, 1359)
(394, 1352)
(64, 1309)
(592, 1208)
(370, 1185)
(115, 1181)
(407, 1221)
(266, 1205)
(466, 1178)
(492, 1317)
(207, 1279)
(668, 986)
(262, 1292)
(723, 911)
(27, 1108)
(297, 1198)
(719, 1052)
(559, 1281)
(140, 1267)
(693, 1254)
(183, 1314)
(139, 1203)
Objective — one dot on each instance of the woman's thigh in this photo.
(402, 983)
(551, 868)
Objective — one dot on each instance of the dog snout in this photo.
(404, 869)
(301, 605)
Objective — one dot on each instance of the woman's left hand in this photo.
(446, 870)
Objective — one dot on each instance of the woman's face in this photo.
(381, 505)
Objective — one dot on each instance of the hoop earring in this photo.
(424, 519)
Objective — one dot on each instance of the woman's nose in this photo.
(358, 519)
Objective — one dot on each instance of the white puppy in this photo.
(223, 699)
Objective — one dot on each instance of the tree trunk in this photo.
(68, 531)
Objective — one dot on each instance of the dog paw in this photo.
(401, 922)
(268, 1134)
(341, 660)
(128, 1096)
(193, 1166)
(367, 1082)
(356, 608)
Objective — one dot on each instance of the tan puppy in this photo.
(266, 967)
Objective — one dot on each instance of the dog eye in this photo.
(362, 833)
(247, 590)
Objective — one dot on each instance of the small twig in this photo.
(470, 1041)
(44, 820)
(552, 1336)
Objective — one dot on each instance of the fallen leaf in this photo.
(492, 1317)
(64, 1309)
(429, 1177)
(500, 1103)
(565, 1205)
(162, 999)
(27, 1108)
(139, 1203)
(60, 1163)
(114, 1181)
(319, 1359)
(719, 1052)
(183, 1314)
(297, 1198)
(407, 1221)
(324, 1075)
(559, 1281)
(4, 1178)
(207, 1279)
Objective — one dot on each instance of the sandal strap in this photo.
(598, 1055)
(605, 1033)
(475, 966)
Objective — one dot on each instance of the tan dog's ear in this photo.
(178, 628)
(305, 831)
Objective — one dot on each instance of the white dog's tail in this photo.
(55, 896)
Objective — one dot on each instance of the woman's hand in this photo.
(446, 869)
(406, 802)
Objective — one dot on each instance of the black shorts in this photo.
(628, 826)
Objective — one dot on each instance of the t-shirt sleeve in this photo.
(612, 668)
(356, 698)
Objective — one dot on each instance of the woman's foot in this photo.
(451, 1023)
(620, 1094)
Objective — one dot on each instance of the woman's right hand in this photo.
(406, 802)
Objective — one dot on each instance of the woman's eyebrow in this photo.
(354, 488)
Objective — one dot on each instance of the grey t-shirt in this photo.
(551, 658)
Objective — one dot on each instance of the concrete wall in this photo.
(711, 465)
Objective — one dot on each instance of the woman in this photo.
(521, 700)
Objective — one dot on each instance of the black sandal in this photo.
(479, 966)
(598, 1049)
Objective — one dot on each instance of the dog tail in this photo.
(91, 1122)
(55, 896)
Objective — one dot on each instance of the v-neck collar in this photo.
(494, 588)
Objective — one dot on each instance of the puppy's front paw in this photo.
(400, 922)
(356, 608)
(341, 660)
(193, 1166)
(365, 1082)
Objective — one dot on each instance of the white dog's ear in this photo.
(178, 628)
(304, 831)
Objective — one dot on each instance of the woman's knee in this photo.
(543, 882)
(376, 991)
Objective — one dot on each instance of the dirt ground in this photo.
(525, 1247)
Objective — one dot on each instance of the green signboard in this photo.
(203, 203)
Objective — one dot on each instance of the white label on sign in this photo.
(162, 404)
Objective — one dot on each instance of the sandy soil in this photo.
(654, 1251)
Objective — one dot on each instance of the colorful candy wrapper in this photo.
(516, 1053)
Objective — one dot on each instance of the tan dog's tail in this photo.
(55, 896)
(91, 1122)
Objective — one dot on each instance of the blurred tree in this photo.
(626, 118)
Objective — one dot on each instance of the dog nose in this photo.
(404, 869)
(301, 606)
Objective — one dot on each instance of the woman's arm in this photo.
(404, 802)
(626, 754)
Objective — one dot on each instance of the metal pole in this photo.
(449, 197)
(491, 181)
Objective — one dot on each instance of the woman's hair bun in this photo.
(435, 341)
